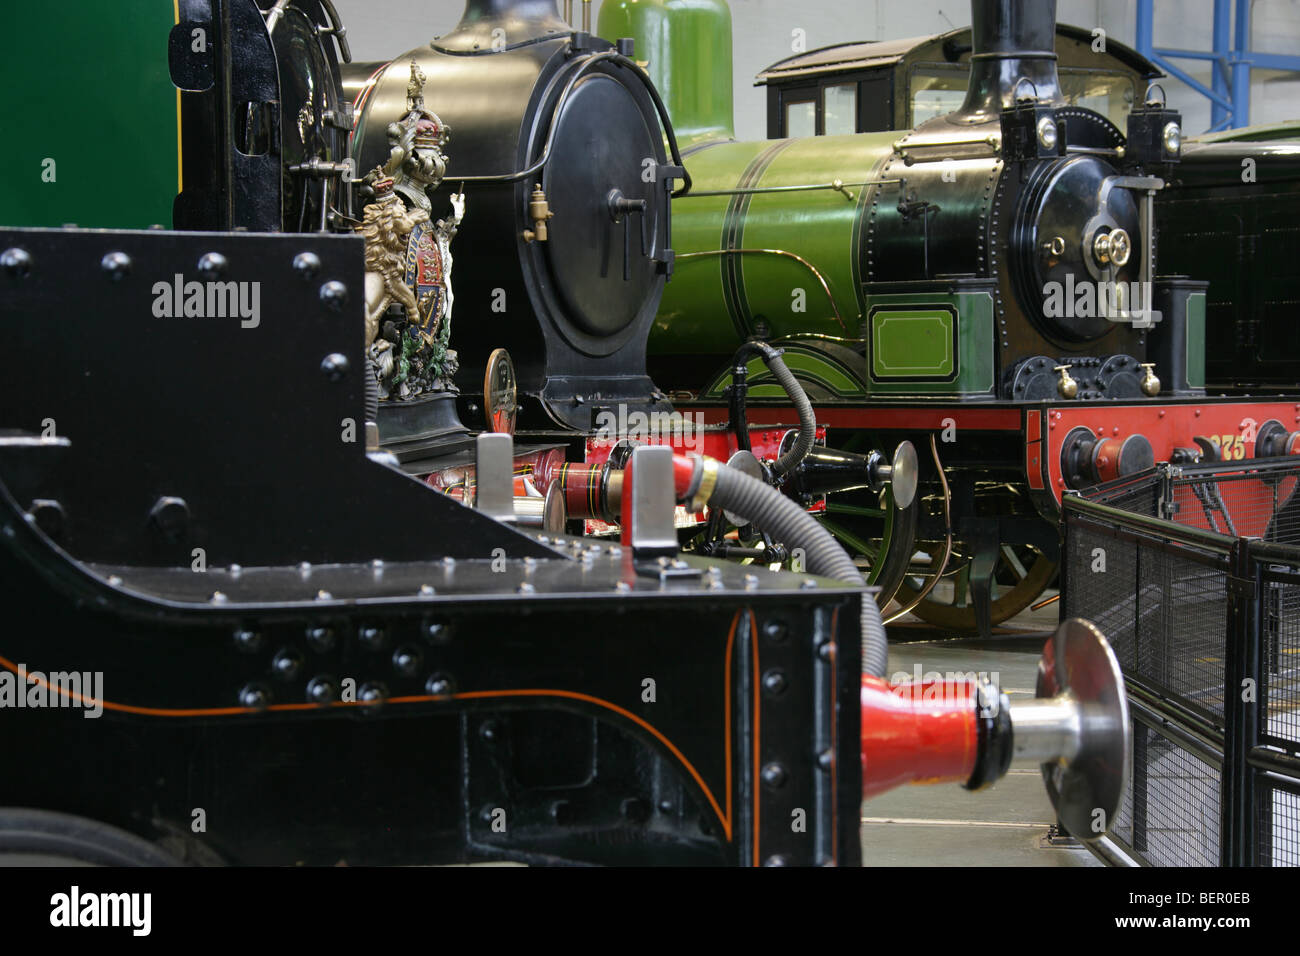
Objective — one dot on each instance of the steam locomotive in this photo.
(992, 281)
(259, 619)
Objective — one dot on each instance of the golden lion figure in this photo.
(386, 228)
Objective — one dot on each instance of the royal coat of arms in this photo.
(408, 257)
(425, 273)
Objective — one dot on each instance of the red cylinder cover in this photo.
(919, 732)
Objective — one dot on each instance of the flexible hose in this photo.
(372, 396)
(786, 521)
(807, 419)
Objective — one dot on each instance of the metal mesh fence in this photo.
(1193, 574)
(1279, 834)
(1163, 610)
(1252, 504)
(1182, 623)
(1280, 629)
(1170, 814)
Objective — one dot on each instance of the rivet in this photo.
(320, 639)
(116, 264)
(372, 638)
(826, 651)
(286, 664)
(826, 759)
(774, 775)
(334, 294)
(247, 640)
(406, 661)
(171, 516)
(212, 265)
(439, 685)
(775, 682)
(334, 366)
(16, 262)
(306, 264)
(372, 694)
(254, 696)
(775, 630)
(321, 690)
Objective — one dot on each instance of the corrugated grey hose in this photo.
(780, 517)
(372, 396)
(807, 419)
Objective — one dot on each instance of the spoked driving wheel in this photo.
(1021, 575)
(879, 536)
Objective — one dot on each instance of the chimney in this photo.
(1013, 55)
(521, 20)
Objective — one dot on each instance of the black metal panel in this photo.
(244, 424)
(231, 161)
(571, 722)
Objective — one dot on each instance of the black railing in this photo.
(1193, 573)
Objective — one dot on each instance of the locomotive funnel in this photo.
(521, 20)
(1013, 55)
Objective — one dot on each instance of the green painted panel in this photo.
(1195, 325)
(798, 241)
(686, 48)
(91, 126)
(917, 345)
(913, 343)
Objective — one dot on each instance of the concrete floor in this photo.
(944, 824)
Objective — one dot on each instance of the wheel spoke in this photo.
(1017, 568)
(852, 540)
(961, 587)
(839, 508)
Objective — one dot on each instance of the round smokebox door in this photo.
(1081, 247)
(602, 145)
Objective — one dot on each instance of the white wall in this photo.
(764, 31)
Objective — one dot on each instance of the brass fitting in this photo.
(1150, 384)
(1067, 386)
(539, 210)
(708, 481)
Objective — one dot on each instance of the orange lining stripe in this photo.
(467, 695)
